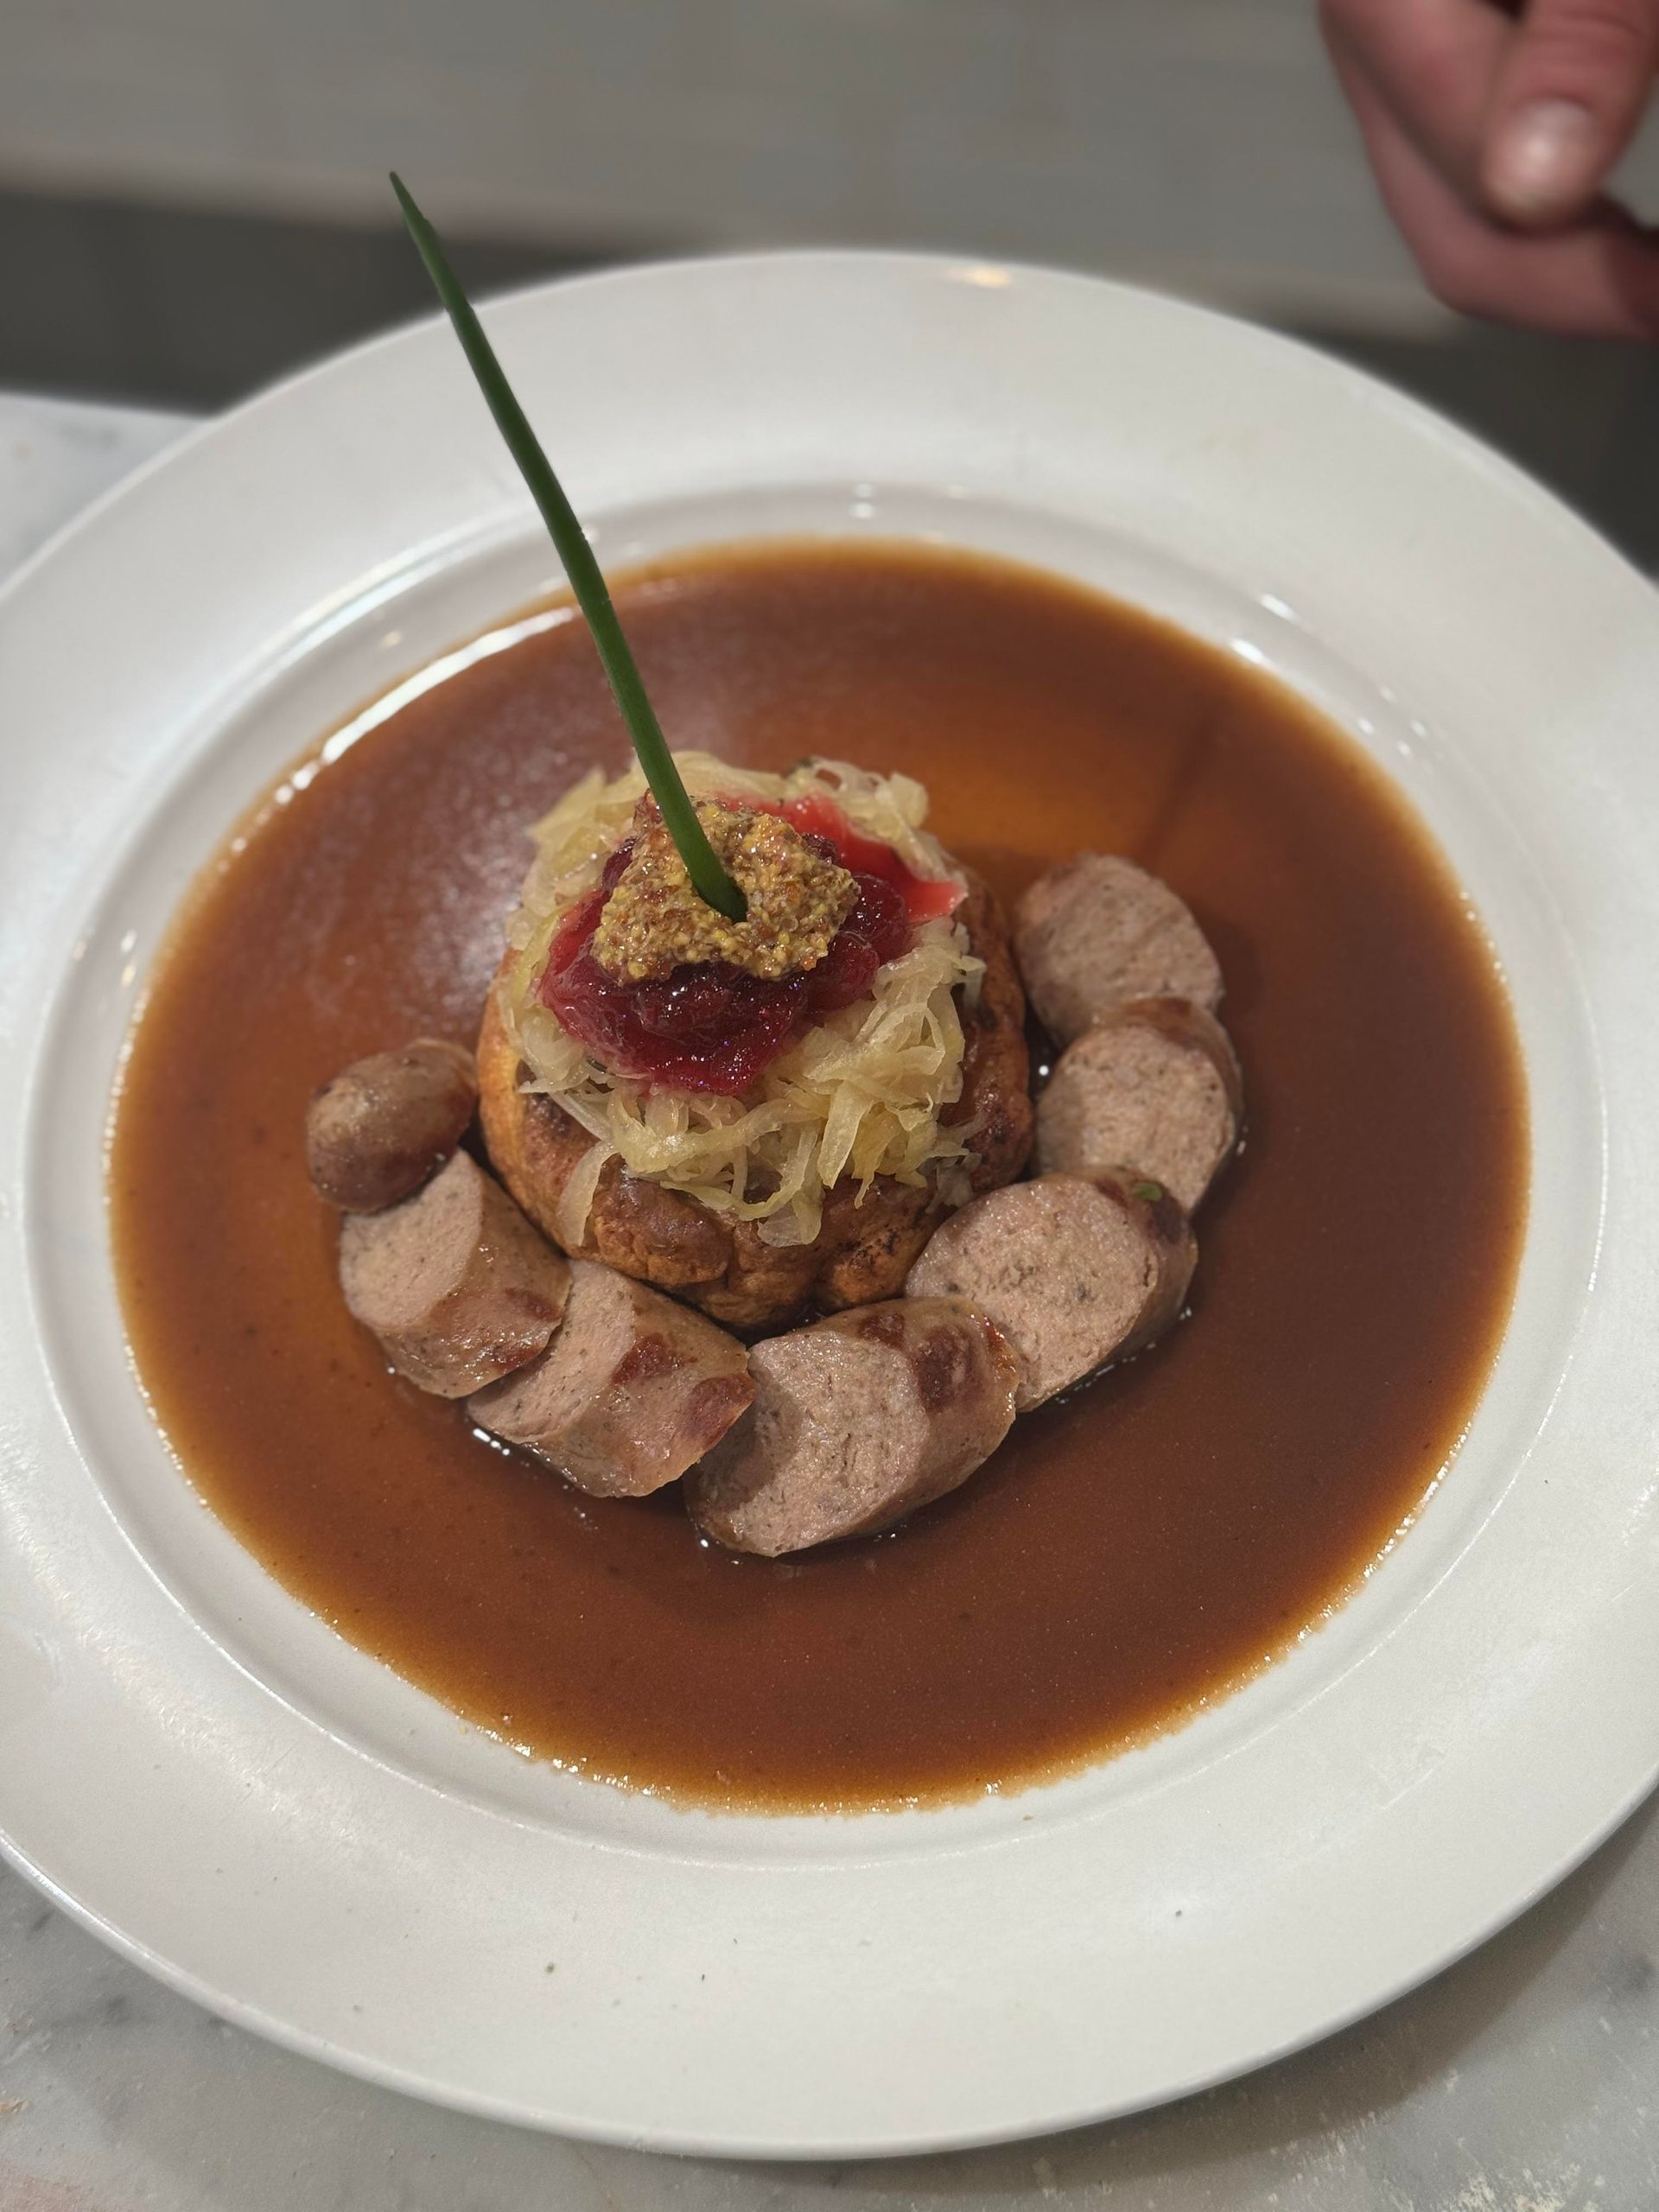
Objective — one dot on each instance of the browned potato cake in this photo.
(725, 1265)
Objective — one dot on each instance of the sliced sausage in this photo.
(1155, 1082)
(632, 1391)
(1074, 1272)
(455, 1283)
(857, 1422)
(1099, 928)
(384, 1124)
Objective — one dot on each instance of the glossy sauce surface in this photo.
(1133, 1548)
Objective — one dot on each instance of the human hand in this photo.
(1490, 129)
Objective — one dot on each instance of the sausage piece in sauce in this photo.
(386, 1123)
(857, 1421)
(1155, 1082)
(633, 1391)
(1073, 1272)
(1097, 929)
(457, 1286)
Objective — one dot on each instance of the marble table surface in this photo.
(1524, 2080)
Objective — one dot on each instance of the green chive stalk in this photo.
(593, 596)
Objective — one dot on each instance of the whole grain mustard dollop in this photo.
(655, 920)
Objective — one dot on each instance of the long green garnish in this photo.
(593, 596)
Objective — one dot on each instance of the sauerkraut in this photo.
(859, 1093)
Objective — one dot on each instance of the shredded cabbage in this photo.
(858, 1095)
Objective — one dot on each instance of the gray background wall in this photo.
(1200, 142)
(193, 196)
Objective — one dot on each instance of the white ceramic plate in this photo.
(207, 1775)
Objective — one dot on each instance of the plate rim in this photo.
(86, 525)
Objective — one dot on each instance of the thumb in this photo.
(1570, 92)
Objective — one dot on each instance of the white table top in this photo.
(1525, 2080)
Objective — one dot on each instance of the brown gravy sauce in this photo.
(1133, 1550)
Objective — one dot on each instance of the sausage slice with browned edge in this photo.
(1099, 928)
(1074, 1272)
(455, 1283)
(634, 1390)
(384, 1124)
(857, 1422)
(1156, 1082)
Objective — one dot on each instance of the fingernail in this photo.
(1545, 158)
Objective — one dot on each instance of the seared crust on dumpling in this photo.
(862, 1252)
(996, 1064)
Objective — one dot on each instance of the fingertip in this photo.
(1545, 163)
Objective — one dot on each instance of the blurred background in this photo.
(193, 197)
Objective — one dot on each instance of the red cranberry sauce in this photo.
(709, 1026)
